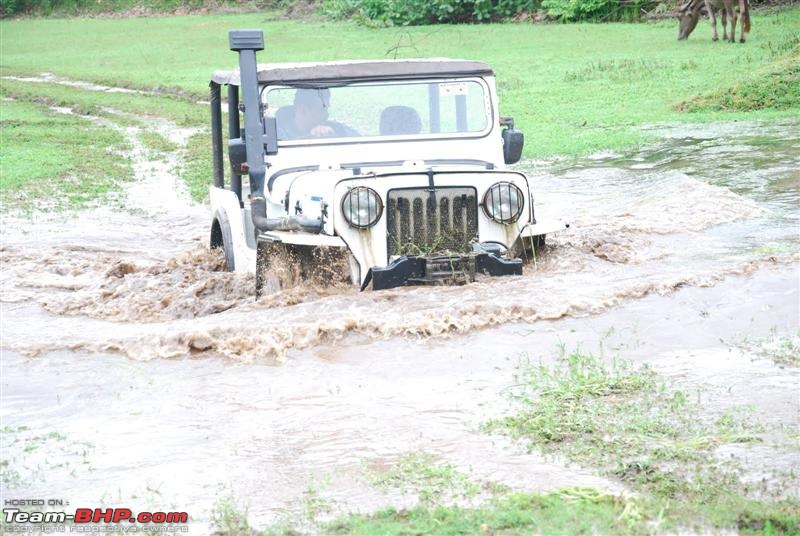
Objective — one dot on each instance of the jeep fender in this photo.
(228, 221)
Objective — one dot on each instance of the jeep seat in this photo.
(398, 120)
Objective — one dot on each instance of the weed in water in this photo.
(784, 350)
(229, 520)
(435, 484)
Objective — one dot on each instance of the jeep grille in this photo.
(424, 221)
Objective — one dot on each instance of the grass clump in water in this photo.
(783, 350)
(626, 422)
(436, 484)
(229, 520)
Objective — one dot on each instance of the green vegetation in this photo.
(415, 12)
(93, 7)
(574, 89)
(196, 165)
(156, 143)
(436, 484)
(630, 425)
(578, 511)
(181, 110)
(778, 89)
(229, 520)
(784, 350)
(54, 160)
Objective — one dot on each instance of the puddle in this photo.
(675, 251)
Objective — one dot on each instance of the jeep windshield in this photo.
(385, 110)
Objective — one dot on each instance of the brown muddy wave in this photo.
(189, 285)
(256, 334)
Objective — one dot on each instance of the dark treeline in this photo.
(96, 7)
(372, 12)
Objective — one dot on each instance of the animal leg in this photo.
(724, 24)
(744, 12)
(732, 15)
(712, 19)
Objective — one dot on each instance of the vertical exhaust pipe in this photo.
(247, 43)
(261, 137)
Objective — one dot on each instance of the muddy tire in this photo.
(221, 238)
(539, 242)
(262, 265)
(284, 266)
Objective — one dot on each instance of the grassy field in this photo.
(52, 161)
(573, 89)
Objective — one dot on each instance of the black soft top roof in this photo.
(331, 73)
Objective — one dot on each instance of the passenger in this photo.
(308, 117)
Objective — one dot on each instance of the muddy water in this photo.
(676, 254)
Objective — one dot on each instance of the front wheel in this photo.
(221, 238)
(281, 266)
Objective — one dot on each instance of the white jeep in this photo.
(398, 167)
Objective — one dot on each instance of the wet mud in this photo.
(675, 255)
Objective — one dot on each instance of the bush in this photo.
(597, 10)
(415, 12)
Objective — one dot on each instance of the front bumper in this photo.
(441, 269)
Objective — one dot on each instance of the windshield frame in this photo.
(488, 106)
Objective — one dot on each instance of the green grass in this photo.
(197, 164)
(51, 160)
(156, 143)
(778, 88)
(195, 159)
(572, 88)
(172, 107)
(567, 512)
(451, 502)
(630, 425)
(435, 484)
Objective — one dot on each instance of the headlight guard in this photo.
(503, 202)
(362, 207)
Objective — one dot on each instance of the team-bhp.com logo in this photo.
(83, 517)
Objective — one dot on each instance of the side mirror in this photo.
(270, 135)
(237, 155)
(513, 141)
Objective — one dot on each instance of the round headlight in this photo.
(503, 202)
(362, 207)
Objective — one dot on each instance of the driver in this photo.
(309, 117)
